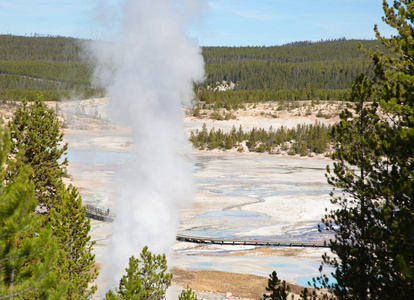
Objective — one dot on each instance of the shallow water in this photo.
(226, 223)
(279, 193)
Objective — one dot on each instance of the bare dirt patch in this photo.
(303, 111)
(240, 285)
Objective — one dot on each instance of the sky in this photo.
(220, 23)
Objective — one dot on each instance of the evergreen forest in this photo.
(59, 68)
(52, 65)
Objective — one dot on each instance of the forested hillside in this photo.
(58, 67)
(55, 66)
(301, 70)
(51, 48)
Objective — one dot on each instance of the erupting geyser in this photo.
(148, 72)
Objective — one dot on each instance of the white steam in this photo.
(148, 73)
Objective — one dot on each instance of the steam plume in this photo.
(148, 72)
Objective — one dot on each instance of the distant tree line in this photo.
(336, 49)
(302, 140)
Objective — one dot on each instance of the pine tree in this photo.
(374, 224)
(37, 138)
(229, 143)
(187, 294)
(306, 295)
(71, 228)
(278, 290)
(145, 278)
(27, 250)
(37, 141)
(395, 77)
(354, 220)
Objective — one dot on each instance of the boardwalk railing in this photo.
(233, 241)
(93, 212)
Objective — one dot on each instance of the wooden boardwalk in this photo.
(95, 213)
(233, 241)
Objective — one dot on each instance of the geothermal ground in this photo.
(239, 195)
